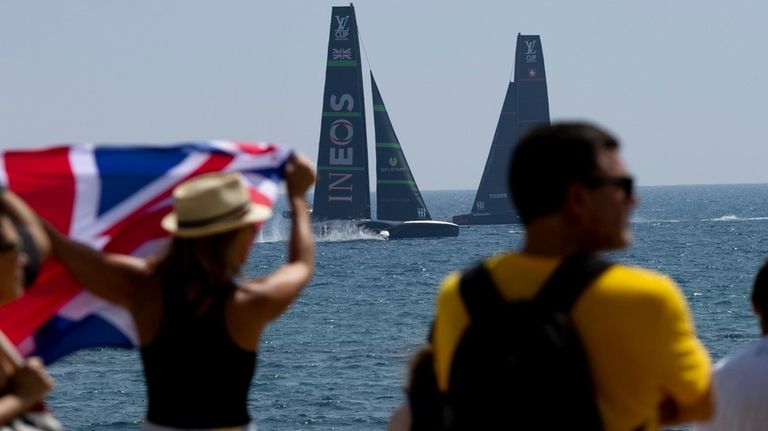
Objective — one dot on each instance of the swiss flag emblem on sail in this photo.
(531, 73)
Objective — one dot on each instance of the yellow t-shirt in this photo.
(635, 326)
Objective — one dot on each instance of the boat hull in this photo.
(486, 219)
(412, 229)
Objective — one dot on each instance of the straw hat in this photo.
(210, 204)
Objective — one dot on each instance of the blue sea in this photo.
(337, 359)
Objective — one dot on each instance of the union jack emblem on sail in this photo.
(112, 198)
(342, 53)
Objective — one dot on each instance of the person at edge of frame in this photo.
(741, 379)
(23, 245)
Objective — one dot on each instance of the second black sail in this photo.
(400, 207)
(525, 105)
(397, 195)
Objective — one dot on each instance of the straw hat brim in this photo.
(257, 213)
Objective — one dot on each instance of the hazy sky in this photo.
(684, 84)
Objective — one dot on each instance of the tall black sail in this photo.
(531, 80)
(341, 190)
(397, 196)
(526, 105)
(492, 196)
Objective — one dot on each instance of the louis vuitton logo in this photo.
(342, 31)
(531, 46)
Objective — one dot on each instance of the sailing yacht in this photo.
(525, 105)
(342, 194)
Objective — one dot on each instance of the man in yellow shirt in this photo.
(573, 194)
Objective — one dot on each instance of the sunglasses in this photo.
(626, 184)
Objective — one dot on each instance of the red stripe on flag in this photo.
(259, 198)
(33, 174)
(256, 147)
(133, 235)
(21, 318)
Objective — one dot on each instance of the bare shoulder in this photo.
(252, 290)
(251, 308)
(267, 297)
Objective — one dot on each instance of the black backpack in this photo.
(519, 365)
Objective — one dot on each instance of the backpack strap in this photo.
(560, 291)
(479, 293)
(572, 276)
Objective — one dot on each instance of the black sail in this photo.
(397, 196)
(531, 80)
(342, 190)
(492, 196)
(526, 105)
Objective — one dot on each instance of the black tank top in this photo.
(197, 377)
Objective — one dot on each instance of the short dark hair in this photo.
(760, 290)
(548, 159)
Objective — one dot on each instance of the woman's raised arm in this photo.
(114, 277)
(276, 291)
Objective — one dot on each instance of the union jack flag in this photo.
(112, 198)
(342, 53)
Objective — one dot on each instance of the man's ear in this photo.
(576, 200)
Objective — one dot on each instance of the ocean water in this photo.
(337, 359)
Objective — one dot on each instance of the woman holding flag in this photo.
(198, 327)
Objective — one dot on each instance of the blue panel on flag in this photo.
(124, 171)
(60, 336)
